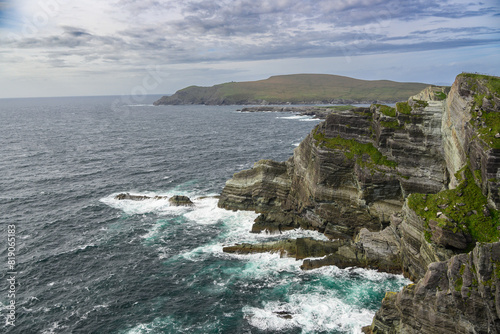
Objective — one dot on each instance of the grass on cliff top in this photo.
(465, 206)
(492, 82)
(487, 133)
(353, 148)
(489, 121)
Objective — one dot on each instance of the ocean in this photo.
(84, 262)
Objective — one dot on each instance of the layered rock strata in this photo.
(460, 295)
(353, 171)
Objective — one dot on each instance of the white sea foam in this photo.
(293, 117)
(302, 118)
(151, 205)
(316, 311)
(310, 120)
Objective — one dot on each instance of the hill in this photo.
(296, 89)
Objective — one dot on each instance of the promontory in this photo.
(295, 89)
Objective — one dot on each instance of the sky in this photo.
(129, 47)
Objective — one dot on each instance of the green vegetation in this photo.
(491, 82)
(391, 124)
(458, 284)
(487, 122)
(341, 108)
(421, 104)
(297, 88)
(491, 120)
(386, 110)
(465, 206)
(403, 108)
(440, 96)
(354, 149)
(497, 269)
(477, 174)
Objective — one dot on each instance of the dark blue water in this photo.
(87, 263)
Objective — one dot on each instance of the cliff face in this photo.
(461, 295)
(353, 171)
(410, 189)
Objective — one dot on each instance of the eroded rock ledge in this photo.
(411, 189)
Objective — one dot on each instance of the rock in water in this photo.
(124, 196)
(179, 200)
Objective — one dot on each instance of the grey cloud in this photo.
(240, 30)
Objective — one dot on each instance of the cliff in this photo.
(295, 89)
(411, 189)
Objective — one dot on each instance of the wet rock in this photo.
(127, 196)
(179, 200)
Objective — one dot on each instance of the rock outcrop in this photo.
(178, 200)
(461, 295)
(127, 196)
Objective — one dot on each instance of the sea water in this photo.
(89, 263)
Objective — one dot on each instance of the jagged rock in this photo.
(300, 248)
(277, 222)
(262, 188)
(461, 295)
(448, 238)
(127, 196)
(179, 200)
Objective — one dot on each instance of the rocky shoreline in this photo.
(411, 189)
(319, 112)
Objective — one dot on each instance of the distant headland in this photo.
(296, 89)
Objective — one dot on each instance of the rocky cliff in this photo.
(411, 189)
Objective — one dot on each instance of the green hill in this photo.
(296, 89)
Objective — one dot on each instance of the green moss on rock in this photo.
(420, 103)
(403, 108)
(440, 96)
(354, 149)
(386, 110)
(463, 209)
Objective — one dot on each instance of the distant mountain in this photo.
(296, 89)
